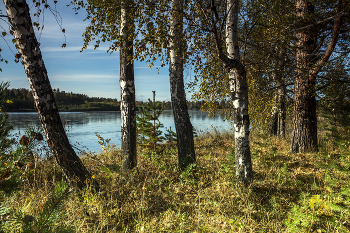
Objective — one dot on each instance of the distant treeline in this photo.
(22, 100)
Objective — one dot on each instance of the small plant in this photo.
(5, 142)
(189, 175)
(170, 136)
(9, 176)
(14, 162)
(316, 212)
(148, 124)
(22, 221)
(14, 165)
(104, 143)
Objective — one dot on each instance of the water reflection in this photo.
(82, 126)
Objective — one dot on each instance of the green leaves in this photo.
(36, 25)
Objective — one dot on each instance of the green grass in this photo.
(290, 193)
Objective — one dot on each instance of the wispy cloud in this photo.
(60, 49)
(92, 72)
(147, 67)
(84, 77)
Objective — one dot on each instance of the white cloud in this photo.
(60, 49)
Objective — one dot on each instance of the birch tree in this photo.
(157, 22)
(239, 92)
(44, 101)
(127, 87)
(210, 19)
(185, 143)
(261, 34)
(114, 21)
(278, 117)
(206, 21)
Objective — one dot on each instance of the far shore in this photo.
(73, 110)
(82, 110)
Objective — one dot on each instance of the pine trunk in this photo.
(239, 95)
(127, 89)
(185, 143)
(44, 101)
(304, 135)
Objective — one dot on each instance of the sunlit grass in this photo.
(290, 193)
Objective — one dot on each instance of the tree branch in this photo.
(228, 62)
(331, 45)
(320, 22)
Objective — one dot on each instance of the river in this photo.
(82, 127)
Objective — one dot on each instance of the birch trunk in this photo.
(281, 119)
(304, 135)
(185, 143)
(239, 95)
(274, 118)
(278, 116)
(44, 101)
(127, 89)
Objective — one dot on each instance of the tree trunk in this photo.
(185, 143)
(44, 101)
(127, 89)
(239, 95)
(281, 119)
(304, 135)
(273, 124)
(278, 116)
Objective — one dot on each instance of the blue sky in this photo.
(92, 72)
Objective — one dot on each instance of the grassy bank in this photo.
(290, 193)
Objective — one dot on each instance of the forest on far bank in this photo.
(22, 100)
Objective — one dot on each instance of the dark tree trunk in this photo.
(44, 101)
(127, 89)
(184, 131)
(304, 135)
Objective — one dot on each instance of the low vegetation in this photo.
(290, 193)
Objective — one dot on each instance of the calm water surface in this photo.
(82, 127)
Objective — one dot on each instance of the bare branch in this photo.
(331, 45)
(320, 22)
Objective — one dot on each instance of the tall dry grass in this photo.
(290, 193)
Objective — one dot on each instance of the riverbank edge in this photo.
(73, 110)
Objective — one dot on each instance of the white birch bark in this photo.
(44, 101)
(127, 89)
(239, 95)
